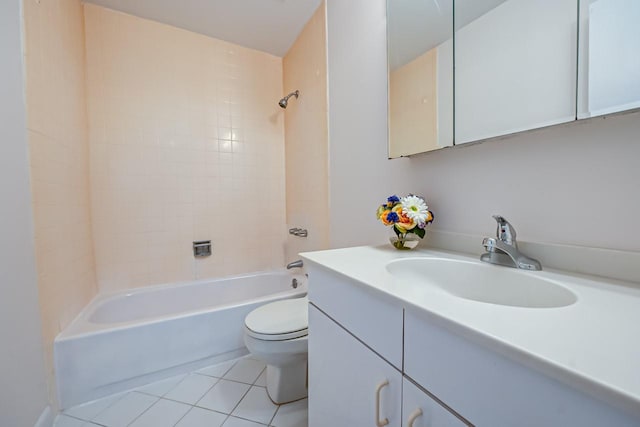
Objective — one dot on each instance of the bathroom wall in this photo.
(187, 143)
(23, 395)
(360, 176)
(572, 184)
(59, 159)
(306, 146)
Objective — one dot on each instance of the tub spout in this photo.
(294, 264)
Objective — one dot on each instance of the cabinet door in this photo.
(515, 66)
(344, 377)
(420, 410)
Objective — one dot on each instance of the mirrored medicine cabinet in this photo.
(515, 65)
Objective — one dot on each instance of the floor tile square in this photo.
(160, 388)
(64, 421)
(198, 417)
(239, 422)
(256, 406)
(224, 396)
(191, 389)
(262, 379)
(164, 413)
(245, 371)
(218, 370)
(294, 414)
(125, 410)
(88, 411)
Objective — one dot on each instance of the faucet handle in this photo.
(505, 231)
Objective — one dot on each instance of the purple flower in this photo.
(393, 199)
(392, 217)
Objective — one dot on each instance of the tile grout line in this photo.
(145, 411)
(237, 404)
(162, 396)
(99, 412)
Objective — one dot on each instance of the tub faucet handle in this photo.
(294, 264)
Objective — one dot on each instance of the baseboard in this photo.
(45, 419)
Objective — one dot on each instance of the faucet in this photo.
(294, 264)
(503, 249)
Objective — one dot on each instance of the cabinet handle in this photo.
(379, 422)
(417, 413)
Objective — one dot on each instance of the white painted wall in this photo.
(516, 69)
(573, 184)
(360, 176)
(23, 390)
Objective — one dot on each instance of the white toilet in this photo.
(277, 333)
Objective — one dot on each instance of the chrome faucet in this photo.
(503, 249)
(294, 264)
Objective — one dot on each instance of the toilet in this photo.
(277, 334)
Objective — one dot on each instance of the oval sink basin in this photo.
(482, 282)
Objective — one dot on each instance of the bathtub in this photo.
(124, 340)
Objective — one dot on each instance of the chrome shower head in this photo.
(284, 101)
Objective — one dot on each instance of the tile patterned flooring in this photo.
(230, 394)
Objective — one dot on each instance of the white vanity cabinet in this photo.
(374, 356)
(355, 360)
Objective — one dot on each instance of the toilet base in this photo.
(287, 383)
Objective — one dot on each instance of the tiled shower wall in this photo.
(186, 143)
(306, 138)
(59, 160)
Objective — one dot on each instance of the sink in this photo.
(482, 282)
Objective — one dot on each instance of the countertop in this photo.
(593, 344)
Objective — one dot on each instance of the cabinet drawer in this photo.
(369, 315)
(424, 411)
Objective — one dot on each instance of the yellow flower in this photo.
(405, 223)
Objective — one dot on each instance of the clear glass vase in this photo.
(405, 241)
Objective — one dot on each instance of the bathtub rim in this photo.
(81, 326)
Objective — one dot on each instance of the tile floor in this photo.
(230, 394)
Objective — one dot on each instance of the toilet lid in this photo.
(280, 320)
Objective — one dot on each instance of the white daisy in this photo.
(415, 208)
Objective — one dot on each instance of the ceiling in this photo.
(416, 26)
(267, 25)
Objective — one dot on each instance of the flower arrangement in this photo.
(407, 215)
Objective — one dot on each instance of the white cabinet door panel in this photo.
(343, 377)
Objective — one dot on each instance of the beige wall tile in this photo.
(187, 143)
(306, 138)
(59, 159)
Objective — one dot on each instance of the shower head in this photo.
(284, 101)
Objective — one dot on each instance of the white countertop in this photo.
(593, 344)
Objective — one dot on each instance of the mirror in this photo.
(420, 55)
(609, 79)
(515, 66)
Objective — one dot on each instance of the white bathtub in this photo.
(124, 340)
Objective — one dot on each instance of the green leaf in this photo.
(420, 232)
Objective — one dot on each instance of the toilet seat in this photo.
(279, 321)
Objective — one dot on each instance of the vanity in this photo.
(433, 338)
